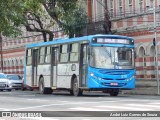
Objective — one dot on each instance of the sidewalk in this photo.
(143, 87)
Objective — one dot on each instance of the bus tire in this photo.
(23, 89)
(9, 90)
(113, 93)
(71, 92)
(76, 90)
(49, 90)
(42, 89)
(30, 89)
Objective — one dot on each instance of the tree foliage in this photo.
(68, 14)
(10, 17)
(37, 19)
(41, 16)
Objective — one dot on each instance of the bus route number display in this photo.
(109, 40)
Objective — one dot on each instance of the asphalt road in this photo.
(90, 106)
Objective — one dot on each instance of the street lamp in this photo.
(155, 45)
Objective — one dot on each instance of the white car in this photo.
(15, 81)
(4, 82)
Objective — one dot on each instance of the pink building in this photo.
(133, 18)
(129, 17)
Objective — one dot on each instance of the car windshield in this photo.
(2, 76)
(13, 77)
(112, 57)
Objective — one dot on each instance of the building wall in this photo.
(129, 17)
(136, 20)
(14, 50)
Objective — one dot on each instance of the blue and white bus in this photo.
(95, 62)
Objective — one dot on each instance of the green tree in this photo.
(41, 16)
(38, 19)
(68, 14)
(10, 17)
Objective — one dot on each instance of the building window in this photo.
(151, 3)
(111, 8)
(141, 5)
(16, 62)
(21, 62)
(130, 7)
(120, 8)
(99, 14)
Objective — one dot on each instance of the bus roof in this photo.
(64, 40)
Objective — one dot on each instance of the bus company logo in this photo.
(6, 114)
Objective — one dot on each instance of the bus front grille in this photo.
(107, 79)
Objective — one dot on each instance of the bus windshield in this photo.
(112, 57)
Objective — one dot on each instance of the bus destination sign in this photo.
(109, 40)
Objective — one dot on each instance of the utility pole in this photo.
(156, 50)
(155, 44)
(1, 52)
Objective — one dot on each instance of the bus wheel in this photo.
(76, 91)
(30, 89)
(113, 93)
(71, 92)
(49, 90)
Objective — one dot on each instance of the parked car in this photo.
(4, 82)
(15, 81)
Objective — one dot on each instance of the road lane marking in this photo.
(38, 100)
(4, 109)
(40, 118)
(144, 105)
(87, 109)
(154, 103)
(52, 105)
(26, 95)
(41, 100)
(124, 107)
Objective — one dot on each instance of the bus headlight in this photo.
(9, 82)
(130, 78)
(95, 77)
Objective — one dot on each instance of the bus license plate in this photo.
(114, 84)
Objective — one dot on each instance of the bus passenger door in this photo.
(54, 59)
(83, 65)
(34, 67)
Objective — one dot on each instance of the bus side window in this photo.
(63, 53)
(73, 52)
(29, 57)
(47, 54)
(42, 55)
